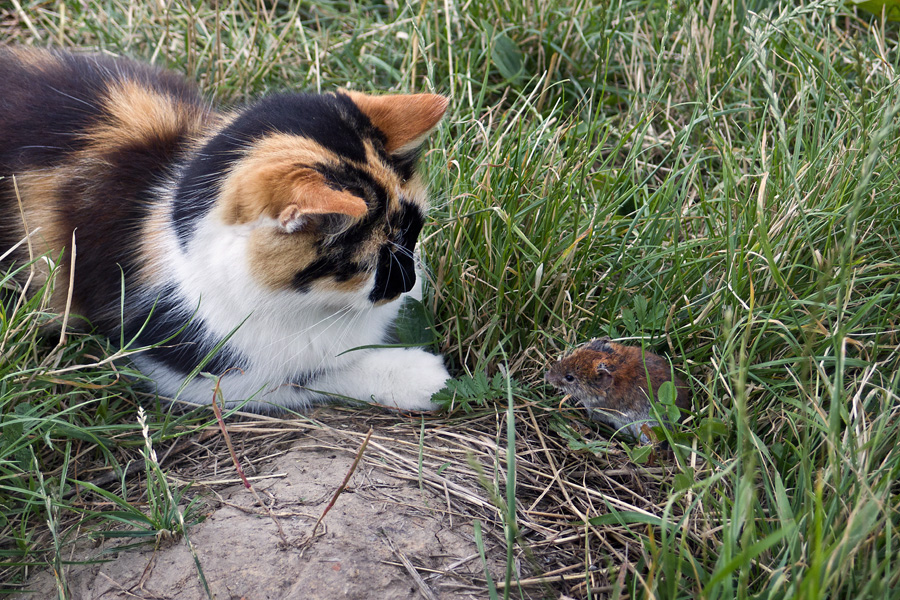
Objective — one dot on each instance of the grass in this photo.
(715, 180)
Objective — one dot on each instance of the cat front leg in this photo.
(403, 378)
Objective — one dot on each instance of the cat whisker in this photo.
(394, 259)
(90, 105)
(337, 319)
(349, 325)
(398, 249)
(345, 326)
(288, 340)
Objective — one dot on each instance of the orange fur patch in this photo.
(39, 191)
(35, 58)
(136, 114)
(275, 257)
(354, 284)
(405, 119)
(153, 245)
(275, 179)
(413, 190)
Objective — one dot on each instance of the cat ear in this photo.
(404, 119)
(310, 195)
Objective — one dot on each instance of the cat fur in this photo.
(286, 227)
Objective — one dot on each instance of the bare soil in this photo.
(402, 528)
(377, 525)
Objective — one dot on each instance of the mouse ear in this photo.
(600, 345)
(604, 377)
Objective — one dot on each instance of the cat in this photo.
(282, 232)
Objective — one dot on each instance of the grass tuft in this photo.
(716, 181)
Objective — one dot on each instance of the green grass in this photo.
(718, 181)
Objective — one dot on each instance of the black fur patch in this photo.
(601, 345)
(405, 164)
(337, 258)
(304, 379)
(185, 350)
(46, 114)
(43, 110)
(113, 218)
(198, 185)
(41, 113)
(396, 272)
(336, 264)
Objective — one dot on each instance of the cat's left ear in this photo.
(310, 196)
(404, 119)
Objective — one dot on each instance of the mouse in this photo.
(611, 381)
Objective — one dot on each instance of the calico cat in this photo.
(288, 225)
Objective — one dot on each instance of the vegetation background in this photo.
(716, 180)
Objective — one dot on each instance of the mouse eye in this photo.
(570, 378)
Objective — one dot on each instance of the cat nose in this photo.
(395, 275)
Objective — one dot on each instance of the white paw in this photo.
(403, 378)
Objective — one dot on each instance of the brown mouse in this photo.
(610, 380)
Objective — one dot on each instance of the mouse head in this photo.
(588, 373)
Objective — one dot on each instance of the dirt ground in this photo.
(402, 528)
(384, 538)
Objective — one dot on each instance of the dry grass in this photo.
(716, 180)
(558, 492)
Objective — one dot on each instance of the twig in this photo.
(237, 465)
(359, 454)
(58, 351)
(423, 587)
(551, 579)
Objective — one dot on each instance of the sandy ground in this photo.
(384, 538)
(403, 527)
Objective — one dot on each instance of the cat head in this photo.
(321, 190)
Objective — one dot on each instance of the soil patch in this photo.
(384, 538)
(403, 527)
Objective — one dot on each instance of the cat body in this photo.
(281, 233)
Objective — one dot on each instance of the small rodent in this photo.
(610, 380)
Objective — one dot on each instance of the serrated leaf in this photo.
(473, 389)
(640, 306)
(498, 382)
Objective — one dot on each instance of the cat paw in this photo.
(405, 378)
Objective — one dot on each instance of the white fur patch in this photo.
(286, 335)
